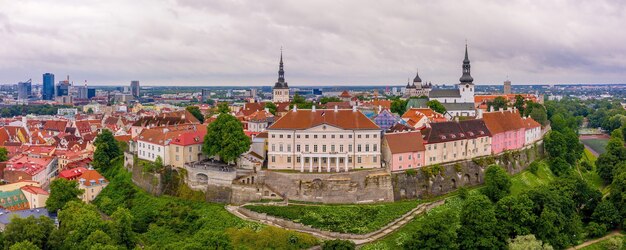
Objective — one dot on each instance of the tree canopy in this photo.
(195, 111)
(3, 154)
(225, 138)
(62, 191)
(436, 106)
(497, 183)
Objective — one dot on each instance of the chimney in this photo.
(267, 110)
(501, 110)
(295, 108)
(313, 108)
(354, 108)
(336, 109)
(479, 114)
(491, 109)
(380, 108)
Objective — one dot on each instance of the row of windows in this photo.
(434, 146)
(190, 149)
(324, 136)
(410, 157)
(324, 148)
(151, 147)
(359, 159)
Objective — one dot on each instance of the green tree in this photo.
(497, 183)
(24, 245)
(479, 226)
(559, 166)
(555, 144)
(3, 154)
(89, 111)
(225, 138)
(528, 242)
(34, 230)
(271, 107)
(121, 228)
(618, 193)
(497, 103)
(515, 215)
(398, 106)
(327, 99)
(437, 231)
(223, 108)
(436, 106)
(606, 213)
(338, 245)
(154, 167)
(195, 111)
(537, 112)
(107, 149)
(77, 222)
(62, 191)
(519, 103)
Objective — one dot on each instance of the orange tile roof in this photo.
(165, 135)
(405, 142)
(34, 190)
(92, 175)
(530, 123)
(304, 119)
(345, 94)
(502, 121)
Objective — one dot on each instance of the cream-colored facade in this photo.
(91, 189)
(324, 148)
(457, 150)
(179, 154)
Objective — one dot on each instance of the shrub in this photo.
(338, 245)
(463, 192)
(595, 230)
(410, 172)
(614, 243)
(586, 166)
(534, 167)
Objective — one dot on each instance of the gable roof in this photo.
(90, 176)
(405, 142)
(435, 93)
(530, 123)
(305, 119)
(165, 119)
(502, 121)
(453, 131)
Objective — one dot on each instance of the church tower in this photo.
(466, 85)
(280, 92)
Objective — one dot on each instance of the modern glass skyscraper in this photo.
(47, 92)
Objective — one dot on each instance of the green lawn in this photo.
(395, 239)
(359, 219)
(597, 144)
(527, 180)
(600, 245)
(592, 176)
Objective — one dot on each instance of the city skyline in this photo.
(193, 43)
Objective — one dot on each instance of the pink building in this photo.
(507, 130)
(404, 150)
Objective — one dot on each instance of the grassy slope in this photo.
(520, 182)
(600, 245)
(165, 219)
(357, 219)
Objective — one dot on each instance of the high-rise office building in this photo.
(24, 90)
(91, 93)
(82, 92)
(47, 92)
(134, 88)
(206, 95)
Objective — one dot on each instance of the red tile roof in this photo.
(405, 142)
(92, 175)
(29, 165)
(304, 119)
(193, 137)
(345, 94)
(34, 190)
(502, 121)
(72, 174)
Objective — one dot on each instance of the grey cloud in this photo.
(325, 42)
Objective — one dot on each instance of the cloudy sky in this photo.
(326, 42)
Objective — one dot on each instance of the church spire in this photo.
(466, 77)
(281, 73)
(417, 77)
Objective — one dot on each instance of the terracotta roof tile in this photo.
(304, 119)
(502, 121)
(405, 142)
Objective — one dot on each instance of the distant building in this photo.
(82, 92)
(47, 92)
(91, 93)
(417, 89)
(134, 88)
(507, 87)
(280, 92)
(206, 95)
(63, 88)
(24, 90)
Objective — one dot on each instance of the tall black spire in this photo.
(466, 77)
(281, 73)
